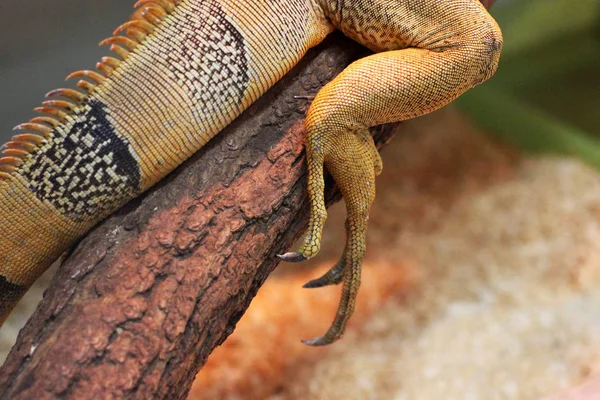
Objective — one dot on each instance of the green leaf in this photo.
(527, 126)
(527, 23)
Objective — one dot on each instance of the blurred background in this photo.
(485, 282)
(546, 95)
(42, 41)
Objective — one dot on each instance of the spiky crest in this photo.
(31, 135)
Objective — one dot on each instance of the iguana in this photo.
(185, 70)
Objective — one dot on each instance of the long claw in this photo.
(318, 341)
(292, 257)
(332, 277)
(314, 284)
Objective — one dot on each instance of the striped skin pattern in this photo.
(186, 69)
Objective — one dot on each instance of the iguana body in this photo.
(188, 68)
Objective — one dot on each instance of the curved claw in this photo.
(314, 284)
(332, 277)
(319, 341)
(292, 257)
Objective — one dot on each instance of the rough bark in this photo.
(143, 300)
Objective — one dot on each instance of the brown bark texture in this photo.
(142, 301)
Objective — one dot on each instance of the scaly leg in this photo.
(336, 274)
(355, 161)
(445, 48)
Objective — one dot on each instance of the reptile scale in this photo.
(185, 70)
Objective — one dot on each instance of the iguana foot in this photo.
(351, 157)
(410, 75)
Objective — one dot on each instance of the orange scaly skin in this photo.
(186, 69)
